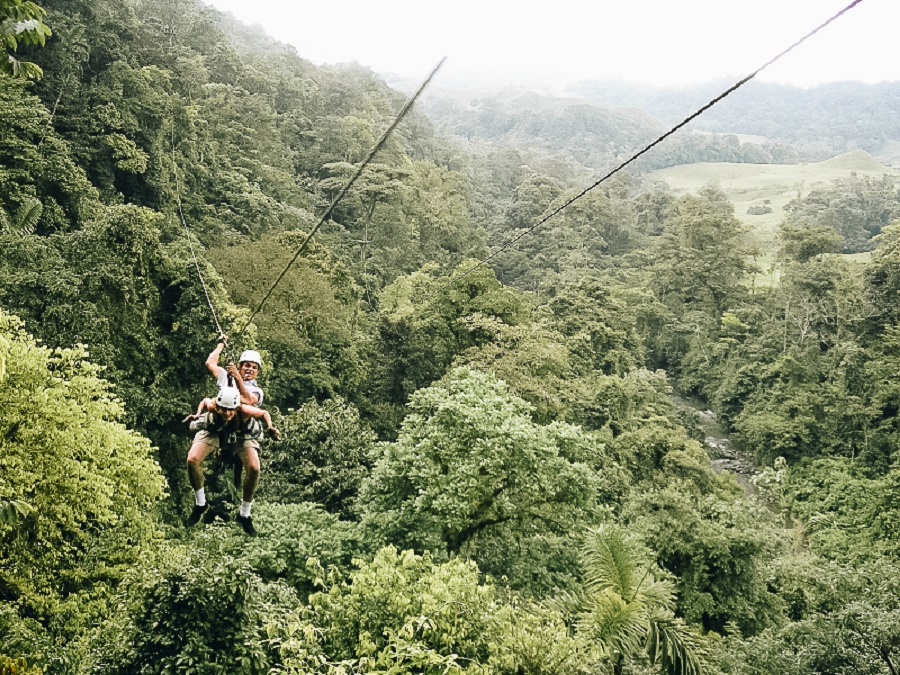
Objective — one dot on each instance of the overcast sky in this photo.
(661, 42)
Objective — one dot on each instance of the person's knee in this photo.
(196, 455)
(251, 462)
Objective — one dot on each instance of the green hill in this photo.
(754, 188)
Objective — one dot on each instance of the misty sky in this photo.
(660, 42)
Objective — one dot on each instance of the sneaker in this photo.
(247, 524)
(197, 513)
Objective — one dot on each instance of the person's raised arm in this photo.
(212, 361)
(205, 404)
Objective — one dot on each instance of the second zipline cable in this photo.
(648, 147)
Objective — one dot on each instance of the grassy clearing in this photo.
(769, 185)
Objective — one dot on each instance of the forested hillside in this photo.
(503, 472)
(566, 133)
(817, 121)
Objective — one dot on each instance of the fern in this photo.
(28, 216)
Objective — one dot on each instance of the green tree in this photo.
(599, 326)
(422, 325)
(397, 219)
(88, 483)
(882, 278)
(472, 473)
(718, 546)
(302, 543)
(394, 591)
(701, 258)
(192, 609)
(802, 244)
(403, 613)
(324, 456)
(531, 358)
(848, 623)
(698, 270)
(628, 608)
(856, 208)
(42, 190)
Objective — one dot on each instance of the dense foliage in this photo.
(492, 469)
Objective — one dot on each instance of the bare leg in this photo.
(196, 455)
(250, 460)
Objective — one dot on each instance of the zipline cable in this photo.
(187, 233)
(647, 148)
(375, 148)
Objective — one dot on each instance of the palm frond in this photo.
(659, 594)
(617, 626)
(608, 561)
(676, 648)
(27, 216)
(569, 603)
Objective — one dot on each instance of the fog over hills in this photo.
(795, 123)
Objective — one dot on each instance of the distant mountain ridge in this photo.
(592, 135)
(830, 118)
(602, 122)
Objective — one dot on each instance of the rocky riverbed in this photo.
(724, 457)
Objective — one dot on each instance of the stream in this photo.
(724, 455)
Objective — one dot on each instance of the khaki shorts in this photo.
(212, 440)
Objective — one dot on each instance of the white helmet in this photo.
(229, 398)
(252, 356)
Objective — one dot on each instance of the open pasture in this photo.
(769, 185)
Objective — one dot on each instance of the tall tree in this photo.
(471, 473)
(87, 481)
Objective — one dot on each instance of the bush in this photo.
(192, 612)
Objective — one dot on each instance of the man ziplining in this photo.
(243, 375)
(230, 424)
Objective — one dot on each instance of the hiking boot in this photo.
(247, 523)
(197, 513)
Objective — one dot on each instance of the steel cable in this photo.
(646, 148)
(187, 233)
(375, 148)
